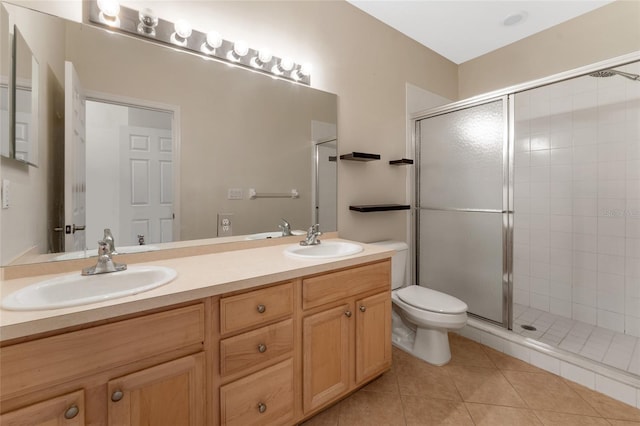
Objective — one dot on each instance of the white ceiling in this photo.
(462, 30)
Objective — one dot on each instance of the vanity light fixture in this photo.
(147, 22)
(109, 10)
(179, 34)
(182, 32)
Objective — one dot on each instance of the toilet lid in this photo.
(431, 300)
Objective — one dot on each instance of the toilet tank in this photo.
(398, 261)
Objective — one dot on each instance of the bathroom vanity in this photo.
(249, 337)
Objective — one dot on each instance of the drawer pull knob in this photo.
(262, 309)
(262, 348)
(117, 396)
(71, 412)
(348, 314)
(262, 407)
(363, 308)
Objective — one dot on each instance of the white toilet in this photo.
(422, 316)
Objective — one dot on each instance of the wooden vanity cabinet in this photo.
(257, 357)
(125, 372)
(269, 356)
(346, 333)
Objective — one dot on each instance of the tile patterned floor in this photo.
(599, 344)
(480, 386)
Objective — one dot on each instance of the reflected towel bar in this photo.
(253, 194)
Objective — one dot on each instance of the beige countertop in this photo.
(198, 277)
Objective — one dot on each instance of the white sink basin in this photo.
(75, 289)
(264, 235)
(324, 250)
(274, 234)
(94, 252)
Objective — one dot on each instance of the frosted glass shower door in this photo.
(462, 202)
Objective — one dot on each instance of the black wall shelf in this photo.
(379, 207)
(360, 156)
(401, 162)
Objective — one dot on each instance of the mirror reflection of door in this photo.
(326, 184)
(75, 162)
(129, 173)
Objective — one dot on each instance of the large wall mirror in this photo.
(160, 146)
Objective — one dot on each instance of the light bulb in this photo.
(214, 39)
(240, 48)
(305, 69)
(302, 72)
(286, 64)
(110, 8)
(183, 28)
(148, 22)
(264, 55)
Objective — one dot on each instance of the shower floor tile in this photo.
(616, 350)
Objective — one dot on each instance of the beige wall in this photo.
(610, 31)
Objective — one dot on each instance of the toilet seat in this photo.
(431, 300)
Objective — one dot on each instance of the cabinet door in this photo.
(65, 410)
(326, 356)
(373, 335)
(167, 394)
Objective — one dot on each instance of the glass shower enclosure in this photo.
(464, 206)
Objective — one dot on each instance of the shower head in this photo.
(611, 73)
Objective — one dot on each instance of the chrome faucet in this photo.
(105, 264)
(312, 236)
(111, 243)
(286, 228)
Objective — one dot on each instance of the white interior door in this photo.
(146, 185)
(75, 161)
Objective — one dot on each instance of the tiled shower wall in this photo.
(577, 200)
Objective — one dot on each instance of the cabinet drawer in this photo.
(263, 398)
(255, 347)
(44, 362)
(255, 307)
(335, 286)
(67, 410)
